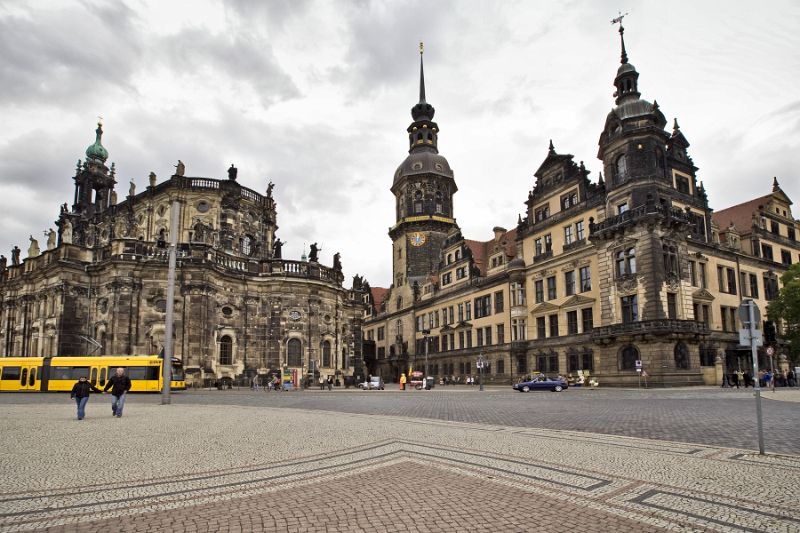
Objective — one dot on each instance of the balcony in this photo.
(659, 327)
(610, 226)
(542, 256)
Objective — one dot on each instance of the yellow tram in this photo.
(60, 373)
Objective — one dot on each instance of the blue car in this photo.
(528, 383)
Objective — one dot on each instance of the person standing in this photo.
(80, 393)
(119, 384)
(330, 382)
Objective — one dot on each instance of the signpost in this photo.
(749, 315)
(480, 363)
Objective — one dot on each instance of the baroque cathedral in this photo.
(615, 278)
(241, 309)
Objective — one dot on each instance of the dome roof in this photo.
(426, 162)
(632, 108)
(97, 151)
(624, 68)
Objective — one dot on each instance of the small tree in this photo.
(786, 308)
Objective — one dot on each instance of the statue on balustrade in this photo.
(33, 249)
(15, 256)
(337, 261)
(276, 248)
(152, 179)
(180, 168)
(232, 172)
(51, 239)
(313, 256)
(3, 263)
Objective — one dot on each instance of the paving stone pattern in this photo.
(197, 466)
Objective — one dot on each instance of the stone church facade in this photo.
(599, 275)
(241, 309)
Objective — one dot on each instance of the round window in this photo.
(161, 305)
(227, 311)
(203, 206)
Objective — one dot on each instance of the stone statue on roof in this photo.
(152, 179)
(313, 255)
(51, 239)
(276, 248)
(3, 263)
(232, 172)
(132, 189)
(270, 186)
(337, 261)
(15, 255)
(33, 249)
(180, 168)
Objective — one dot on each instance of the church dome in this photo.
(97, 151)
(427, 162)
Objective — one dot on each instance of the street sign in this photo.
(770, 351)
(638, 364)
(744, 337)
(744, 312)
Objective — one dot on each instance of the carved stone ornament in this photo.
(627, 284)
(672, 281)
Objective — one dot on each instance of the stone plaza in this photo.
(441, 460)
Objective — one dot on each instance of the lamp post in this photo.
(170, 311)
(481, 363)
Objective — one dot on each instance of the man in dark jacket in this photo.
(80, 393)
(119, 384)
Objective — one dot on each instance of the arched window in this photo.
(625, 262)
(247, 245)
(226, 350)
(670, 259)
(326, 354)
(620, 169)
(439, 205)
(418, 202)
(631, 260)
(293, 353)
(628, 357)
(681, 356)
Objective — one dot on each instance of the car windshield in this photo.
(375, 379)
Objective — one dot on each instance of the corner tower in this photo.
(423, 188)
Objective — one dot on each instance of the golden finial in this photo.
(421, 48)
(99, 120)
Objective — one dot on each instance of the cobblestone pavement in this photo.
(713, 416)
(196, 466)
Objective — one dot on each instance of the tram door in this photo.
(29, 378)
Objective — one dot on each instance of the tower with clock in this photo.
(423, 188)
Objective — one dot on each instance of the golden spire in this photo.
(421, 48)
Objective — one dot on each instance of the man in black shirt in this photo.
(119, 384)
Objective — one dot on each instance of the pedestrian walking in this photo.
(740, 378)
(80, 393)
(119, 384)
(321, 382)
(330, 382)
(790, 378)
(735, 379)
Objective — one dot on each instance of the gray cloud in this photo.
(68, 56)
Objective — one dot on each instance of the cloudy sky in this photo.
(315, 96)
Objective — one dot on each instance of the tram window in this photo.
(11, 372)
(32, 378)
(137, 372)
(24, 376)
(69, 372)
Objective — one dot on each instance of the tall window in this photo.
(630, 309)
(579, 230)
(572, 322)
(498, 302)
(672, 305)
(587, 319)
(626, 262)
(483, 306)
(541, 329)
(753, 286)
(628, 358)
(554, 325)
(548, 243)
(692, 266)
(226, 350)
(518, 329)
(326, 354)
(517, 294)
(537, 247)
(539, 286)
(551, 288)
(293, 353)
(501, 334)
(586, 278)
(620, 169)
(670, 259)
(681, 356)
(568, 234)
(569, 282)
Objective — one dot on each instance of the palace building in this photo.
(605, 276)
(241, 309)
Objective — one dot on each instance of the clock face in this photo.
(294, 315)
(417, 238)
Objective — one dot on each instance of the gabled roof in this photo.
(544, 307)
(379, 294)
(483, 250)
(576, 300)
(740, 215)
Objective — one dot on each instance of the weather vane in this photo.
(421, 48)
(619, 18)
(99, 119)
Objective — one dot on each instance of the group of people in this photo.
(766, 378)
(119, 384)
(325, 382)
